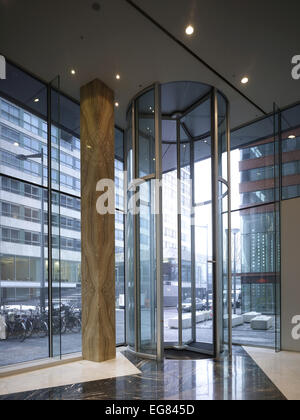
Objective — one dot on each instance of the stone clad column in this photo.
(98, 231)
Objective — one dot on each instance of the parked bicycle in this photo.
(36, 325)
(22, 324)
(15, 326)
(72, 318)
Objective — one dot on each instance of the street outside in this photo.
(13, 351)
(243, 334)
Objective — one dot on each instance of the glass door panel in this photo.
(145, 134)
(147, 271)
(187, 233)
(202, 251)
(143, 159)
(130, 242)
(224, 233)
(170, 243)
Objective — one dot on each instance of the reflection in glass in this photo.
(147, 271)
(24, 230)
(146, 133)
(23, 287)
(186, 238)
(119, 238)
(254, 271)
(170, 244)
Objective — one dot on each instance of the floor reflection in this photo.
(238, 378)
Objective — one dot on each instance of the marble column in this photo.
(98, 231)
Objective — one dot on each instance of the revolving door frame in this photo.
(219, 314)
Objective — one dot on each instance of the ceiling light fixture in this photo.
(73, 72)
(292, 136)
(189, 30)
(118, 77)
(36, 100)
(16, 144)
(245, 80)
(96, 6)
(117, 104)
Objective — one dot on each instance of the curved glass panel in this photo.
(129, 234)
(186, 215)
(170, 240)
(130, 274)
(145, 126)
(147, 270)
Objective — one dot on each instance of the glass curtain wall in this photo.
(65, 234)
(256, 232)
(23, 219)
(265, 159)
(39, 166)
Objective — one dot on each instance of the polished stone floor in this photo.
(237, 379)
(282, 368)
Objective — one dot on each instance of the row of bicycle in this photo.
(15, 324)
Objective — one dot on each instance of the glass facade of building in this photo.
(265, 170)
(24, 193)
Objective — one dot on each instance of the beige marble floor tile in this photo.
(67, 374)
(282, 368)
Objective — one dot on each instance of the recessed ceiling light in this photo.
(189, 30)
(117, 104)
(245, 80)
(118, 77)
(96, 6)
(16, 144)
(73, 71)
(36, 100)
(292, 136)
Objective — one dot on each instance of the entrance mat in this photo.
(173, 354)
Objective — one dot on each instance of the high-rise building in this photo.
(24, 219)
(259, 190)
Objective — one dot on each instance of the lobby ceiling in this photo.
(253, 38)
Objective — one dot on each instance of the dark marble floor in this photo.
(237, 379)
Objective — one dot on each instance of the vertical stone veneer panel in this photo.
(98, 231)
